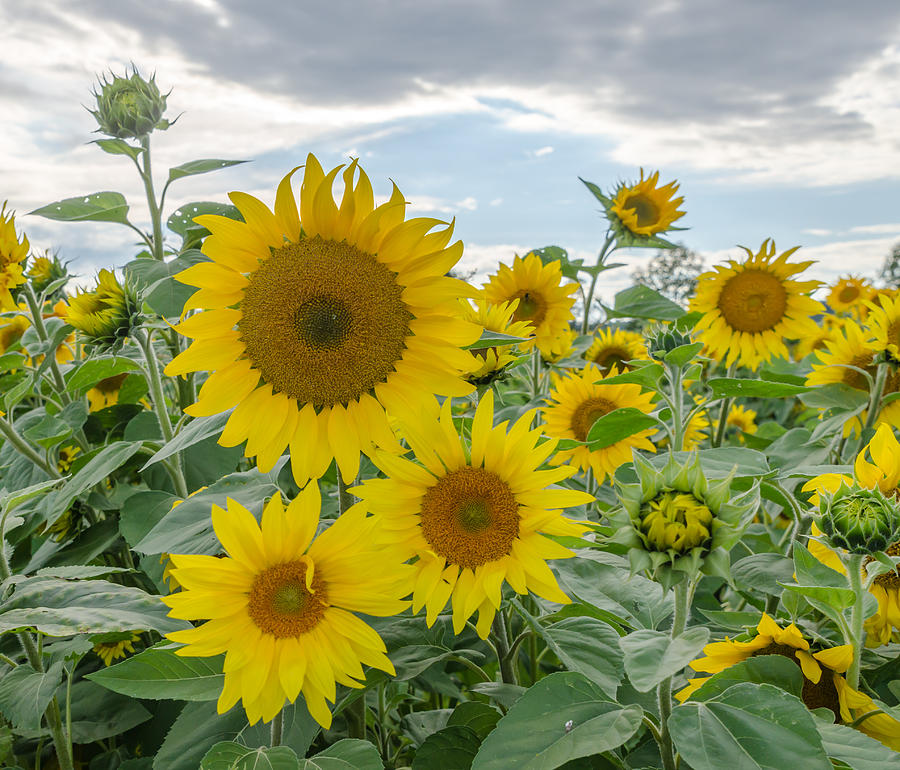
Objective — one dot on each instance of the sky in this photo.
(778, 119)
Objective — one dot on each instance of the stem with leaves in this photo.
(601, 258)
(683, 594)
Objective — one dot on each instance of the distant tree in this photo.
(890, 270)
(672, 272)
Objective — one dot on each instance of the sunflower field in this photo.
(285, 491)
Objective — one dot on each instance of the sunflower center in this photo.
(608, 357)
(531, 307)
(753, 301)
(645, 210)
(815, 695)
(323, 321)
(893, 333)
(470, 517)
(280, 603)
(676, 521)
(587, 413)
(890, 580)
(849, 294)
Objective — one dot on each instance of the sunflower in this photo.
(474, 516)
(823, 683)
(283, 610)
(11, 331)
(742, 419)
(884, 324)
(848, 351)
(645, 209)
(13, 252)
(494, 318)
(749, 308)
(314, 335)
(849, 294)
(561, 347)
(882, 473)
(113, 650)
(576, 401)
(614, 347)
(106, 392)
(66, 457)
(543, 300)
(103, 314)
(817, 341)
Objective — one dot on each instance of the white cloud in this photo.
(817, 231)
(496, 202)
(877, 229)
(540, 152)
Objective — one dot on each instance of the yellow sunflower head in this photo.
(44, 270)
(105, 393)
(13, 251)
(66, 457)
(544, 301)
(106, 313)
(743, 419)
(645, 209)
(849, 293)
(826, 330)
(11, 330)
(884, 324)
(475, 516)
(615, 347)
(111, 647)
(314, 335)
(750, 308)
(561, 347)
(283, 606)
(494, 318)
(579, 399)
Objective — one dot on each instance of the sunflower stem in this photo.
(277, 728)
(37, 320)
(601, 257)
(24, 448)
(683, 593)
(677, 408)
(501, 644)
(854, 565)
(874, 404)
(723, 411)
(155, 214)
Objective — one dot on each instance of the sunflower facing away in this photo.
(884, 473)
(848, 294)
(110, 651)
(823, 683)
(613, 347)
(544, 301)
(474, 516)
(283, 610)
(884, 324)
(645, 209)
(749, 308)
(105, 393)
(576, 401)
(495, 318)
(313, 335)
(12, 255)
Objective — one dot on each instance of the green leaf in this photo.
(763, 571)
(563, 717)
(64, 608)
(835, 395)
(491, 339)
(117, 147)
(193, 433)
(11, 361)
(452, 748)
(856, 749)
(478, 717)
(98, 714)
(233, 756)
(50, 431)
(204, 166)
(617, 425)
(505, 694)
(597, 193)
(644, 302)
(142, 511)
(11, 500)
(646, 374)
(96, 207)
(726, 387)
(91, 372)
(158, 673)
(79, 572)
(182, 219)
(683, 353)
(776, 670)
(651, 656)
(719, 462)
(749, 726)
(160, 290)
(25, 694)
(360, 754)
(839, 598)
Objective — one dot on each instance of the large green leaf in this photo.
(361, 755)
(478, 717)
(182, 219)
(192, 433)
(204, 166)
(91, 372)
(452, 748)
(156, 279)
(158, 673)
(719, 462)
(644, 302)
(777, 670)
(856, 749)
(651, 656)
(726, 387)
(64, 608)
(762, 572)
(96, 207)
(25, 694)
(617, 425)
(229, 755)
(563, 717)
(98, 714)
(748, 727)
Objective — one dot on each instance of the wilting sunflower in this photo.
(882, 473)
(613, 347)
(849, 294)
(750, 308)
(494, 318)
(576, 401)
(12, 254)
(282, 609)
(823, 683)
(884, 324)
(849, 350)
(645, 209)
(313, 335)
(105, 393)
(115, 649)
(474, 516)
(544, 301)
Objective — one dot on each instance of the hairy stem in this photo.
(601, 257)
(683, 592)
(854, 566)
(155, 214)
(501, 644)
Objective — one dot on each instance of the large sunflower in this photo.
(283, 610)
(12, 255)
(849, 294)
(884, 473)
(613, 347)
(645, 209)
(544, 301)
(749, 308)
(494, 318)
(474, 516)
(823, 683)
(314, 335)
(576, 401)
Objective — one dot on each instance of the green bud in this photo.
(664, 339)
(129, 107)
(861, 521)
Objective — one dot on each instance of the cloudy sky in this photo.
(778, 118)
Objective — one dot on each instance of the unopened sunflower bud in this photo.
(129, 107)
(664, 339)
(107, 314)
(859, 520)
